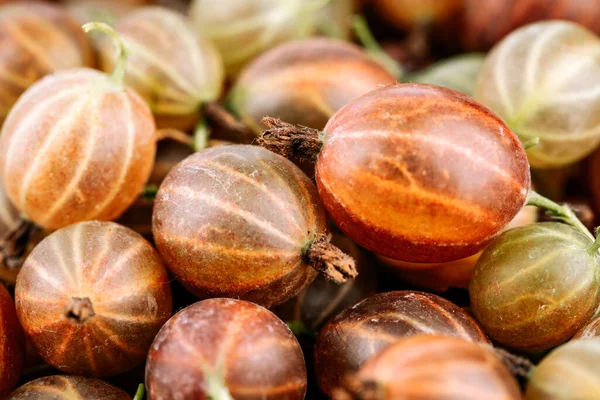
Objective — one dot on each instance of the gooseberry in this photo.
(358, 333)
(91, 297)
(65, 387)
(225, 349)
(12, 344)
(458, 73)
(397, 146)
(261, 234)
(590, 330)
(409, 14)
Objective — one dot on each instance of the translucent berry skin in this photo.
(12, 344)
(397, 146)
(485, 22)
(428, 367)
(234, 221)
(363, 330)
(569, 372)
(125, 282)
(535, 286)
(590, 330)
(239, 346)
(519, 81)
(305, 82)
(9, 220)
(37, 39)
(65, 387)
(173, 67)
(408, 14)
(76, 147)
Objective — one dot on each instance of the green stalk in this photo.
(216, 387)
(141, 392)
(118, 74)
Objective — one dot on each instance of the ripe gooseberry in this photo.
(37, 39)
(569, 372)
(536, 286)
(458, 73)
(242, 29)
(363, 330)
(65, 387)
(432, 367)
(409, 14)
(12, 344)
(541, 79)
(261, 234)
(398, 146)
(91, 297)
(77, 146)
(305, 82)
(175, 69)
(483, 23)
(225, 349)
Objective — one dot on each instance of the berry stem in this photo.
(201, 136)
(291, 141)
(79, 309)
(219, 115)
(562, 213)
(175, 135)
(365, 36)
(330, 260)
(118, 74)
(149, 192)
(215, 387)
(140, 393)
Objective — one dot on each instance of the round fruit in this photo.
(305, 82)
(590, 330)
(261, 232)
(486, 22)
(432, 367)
(536, 286)
(541, 79)
(458, 73)
(91, 298)
(358, 333)
(567, 373)
(225, 349)
(37, 39)
(397, 146)
(242, 29)
(172, 67)
(409, 14)
(64, 387)
(12, 344)
(77, 146)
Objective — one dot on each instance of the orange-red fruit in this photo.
(64, 387)
(77, 146)
(435, 368)
(305, 82)
(36, 39)
(363, 330)
(91, 297)
(421, 173)
(235, 221)
(410, 14)
(225, 349)
(12, 344)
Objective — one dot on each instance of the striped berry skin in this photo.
(421, 173)
(363, 330)
(76, 147)
(174, 68)
(305, 82)
(234, 221)
(91, 297)
(65, 387)
(225, 349)
(12, 344)
(429, 367)
(36, 39)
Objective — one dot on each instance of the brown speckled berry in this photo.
(65, 387)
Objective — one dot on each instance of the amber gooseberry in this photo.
(66, 387)
(397, 146)
(91, 297)
(37, 39)
(305, 82)
(569, 372)
(12, 344)
(261, 233)
(225, 349)
(409, 14)
(358, 333)
(590, 330)
(428, 367)
(77, 146)
(536, 286)
(458, 73)
(174, 68)
(483, 23)
(242, 29)
(541, 79)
